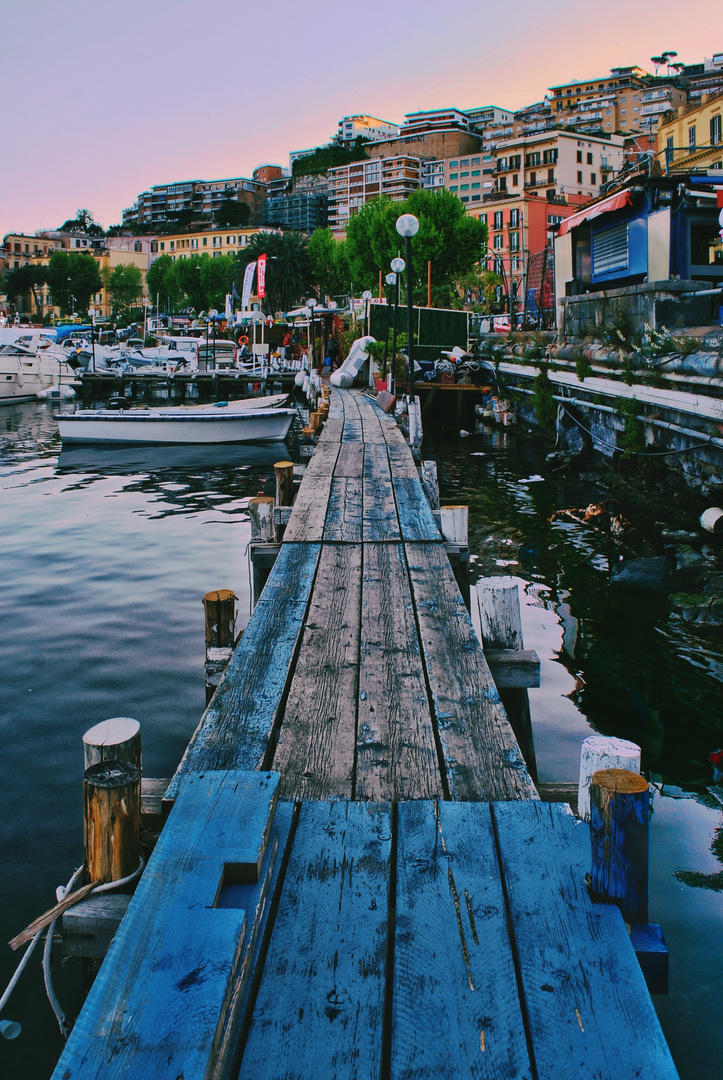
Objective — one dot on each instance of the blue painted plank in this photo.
(320, 1006)
(350, 462)
(481, 754)
(332, 429)
(588, 1008)
(159, 1004)
(456, 1010)
(352, 430)
(323, 461)
(415, 516)
(235, 729)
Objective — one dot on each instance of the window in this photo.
(579, 156)
(464, 187)
(669, 150)
(533, 178)
(498, 219)
(498, 241)
(610, 250)
(515, 179)
(453, 164)
(551, 176)
(593, 178)
(464, 161)
(163, 245)
(205, 241)
(173, 245)
(454, 187)
(464, 173)
(465, 198)
(475, 198)
(475, 172)
(475, 186)
(691, 139)
(514, 241)
(503, 183)
(454, 176)
(514, 218)
(589, 159)
(475, 161)
(579, 177)
(715, 130)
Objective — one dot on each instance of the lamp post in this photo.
(408, 226)
(366, 297)
(311, 304)
(397, 269)
(391, 279)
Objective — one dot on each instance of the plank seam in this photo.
(513, 946)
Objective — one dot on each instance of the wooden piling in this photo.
(600, 752)
(112, 820)
(620, 806)
(261, 513)
(116, 739)
(315, 420)
(430, 483)
(284, 482)
(220, 611)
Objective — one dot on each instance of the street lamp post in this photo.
(311, 304)
(391, 279)
(366, 297)
(398, 269)
(408, 226)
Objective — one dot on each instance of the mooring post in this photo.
(284, 490)
(112, 820)
(620, 808)
(220, 616)
(261, 514)
(453, 525)
(263, 543)
(430, 483)
(116, 739)
(315, 421)
(600, 752)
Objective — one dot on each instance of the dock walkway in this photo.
(356, 879)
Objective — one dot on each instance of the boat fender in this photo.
(116, 402)
(220, 404)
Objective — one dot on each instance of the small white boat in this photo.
(250, 420)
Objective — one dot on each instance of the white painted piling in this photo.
(600, 752)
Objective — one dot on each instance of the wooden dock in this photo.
(356, 877)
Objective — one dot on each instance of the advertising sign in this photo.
(247, 285)
(261, 276)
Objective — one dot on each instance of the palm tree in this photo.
(288, 272)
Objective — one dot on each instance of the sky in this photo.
(104, 100)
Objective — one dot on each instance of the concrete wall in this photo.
(658, 304)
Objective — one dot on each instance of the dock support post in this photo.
(263, 541)
(220, 615)
(116, 739)
(112, 820)
(620, 804)
(284, 489)
(603, 752)
(430, 483)
(453, 525)
(501, 628)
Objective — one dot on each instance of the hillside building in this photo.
(162, 203)
(350, 186)
(367, 127)
(693, 139)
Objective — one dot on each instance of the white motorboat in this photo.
(225, 422)
(29, 365)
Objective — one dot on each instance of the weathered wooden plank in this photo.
(415, 515)
(306, 524)
(514, 668)
(161, 999)
(379, 507)
(481, 753)
(351, 407)
(401, 461)
(350, 461)
(323, 461)
(344, 512)
(588, 1008)
(235, 729)
(332, 430)
(352, 430)
(396, 752)
(320, 1006)
(393, 436)
(316, 748)
(89, 927)
(456, 1009)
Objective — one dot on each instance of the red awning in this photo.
(613, 202)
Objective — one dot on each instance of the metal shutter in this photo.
(610, 250)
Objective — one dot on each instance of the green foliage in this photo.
(348, 336)
(82, 223)
(328, 157)
(619, 330)
(199, 283)
(448, 238)
(631, 440)
(232, 213)
(162, 283)
(123, 284)
(328, 264)
(23, 280)
(544, 403)
(73, 275)
(288, 269)
(583, 367)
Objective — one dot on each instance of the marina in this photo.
(347, 486)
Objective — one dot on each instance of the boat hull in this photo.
(173, 427)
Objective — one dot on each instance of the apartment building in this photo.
(367, 127)
(469, 178)
(21, 250)
(485, 115)
(350, 186)
(212, 242)
(298, 204)
(705, 78)
(163, 202)
(693, 139)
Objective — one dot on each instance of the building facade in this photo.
(211, 242)
(350, 186)
(368, 127)
(694, 138)
(164, 202)
(299, 204)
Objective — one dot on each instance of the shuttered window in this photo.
(610, 250)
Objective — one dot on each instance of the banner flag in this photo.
(261, 279)
(229, 308)
(247, 285)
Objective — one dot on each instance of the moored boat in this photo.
(223, 422)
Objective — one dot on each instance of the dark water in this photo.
(105, 558)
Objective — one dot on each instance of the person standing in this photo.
(333, 352)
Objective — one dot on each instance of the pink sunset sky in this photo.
(101, 101)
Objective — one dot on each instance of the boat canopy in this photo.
(62, 332)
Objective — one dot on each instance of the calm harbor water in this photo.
(106, 555)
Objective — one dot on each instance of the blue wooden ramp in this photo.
(337, 939)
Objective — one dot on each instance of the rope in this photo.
(635, 453)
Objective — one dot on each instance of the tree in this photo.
(73, 279)
(232, 213)
(288, 270)
(328, 264)
(449, 238)
(22, 281)
(82, 223)
(162, 283)
(124, 284)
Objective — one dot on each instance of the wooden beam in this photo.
(514, 667)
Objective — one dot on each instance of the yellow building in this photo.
(694, 139)
(213, 242)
